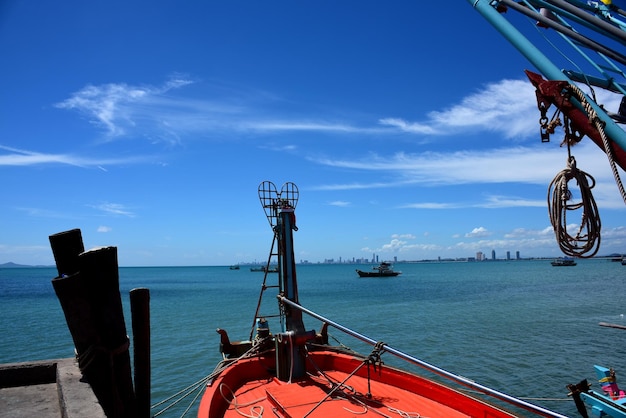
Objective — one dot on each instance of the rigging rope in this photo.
(599, 125)
(199, 385)
(344, 391)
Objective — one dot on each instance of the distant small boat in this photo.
(234, 267)
(563, 262)
(383, 270)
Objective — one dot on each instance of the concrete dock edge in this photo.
(27, 388)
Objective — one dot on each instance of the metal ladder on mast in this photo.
(271, 200)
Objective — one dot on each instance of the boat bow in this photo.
(296, 373)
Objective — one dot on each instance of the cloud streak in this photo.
(506, 107)
(166, 113)
(115, 209)
(113, 106)
(517, 164)
(124, 110)
(21, 157)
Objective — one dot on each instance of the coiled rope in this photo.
(586, 242)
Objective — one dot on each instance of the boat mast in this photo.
(286, 261)
(280, 208)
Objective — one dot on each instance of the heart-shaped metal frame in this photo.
(272, 200)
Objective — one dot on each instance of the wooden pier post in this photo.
(140, 313)
(99, 269)
(88, 289)
(66, 246)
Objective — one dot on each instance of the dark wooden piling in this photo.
(88, 290)
(140, 312)
(66, 246)
(100, 270)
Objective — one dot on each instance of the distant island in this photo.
(11, 265)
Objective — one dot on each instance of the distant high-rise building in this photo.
(517, 257)
(479, 256)
(508, 255)
(493, 255)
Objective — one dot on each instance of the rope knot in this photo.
(374, 358)
(571, 163)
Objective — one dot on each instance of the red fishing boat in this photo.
(295, 372)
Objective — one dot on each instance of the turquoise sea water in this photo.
(522, 327)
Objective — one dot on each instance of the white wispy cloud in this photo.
(532, 165)
(511, 201)
(114, 209)
(45, 213)
(488, 202)
(507, 106)
(403, 236)
(339, 203)
(125, 110)
(166, 112)
(296, 126)
(118, 107)
(358, 186)
(431, 205)
(411, 127)
(523, 233)
(516, 166)
(20, 157)
(155, 112)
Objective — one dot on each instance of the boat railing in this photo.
(427, 366)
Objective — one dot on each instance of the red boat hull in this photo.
(249, 388)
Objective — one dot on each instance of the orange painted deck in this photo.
(249, 389)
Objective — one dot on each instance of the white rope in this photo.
(236, 405)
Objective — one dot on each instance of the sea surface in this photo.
(522, 327)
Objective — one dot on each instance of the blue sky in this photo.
(408, 127)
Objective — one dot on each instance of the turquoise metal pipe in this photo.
(540, 61)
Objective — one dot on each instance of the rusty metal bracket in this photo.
(557, 93)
